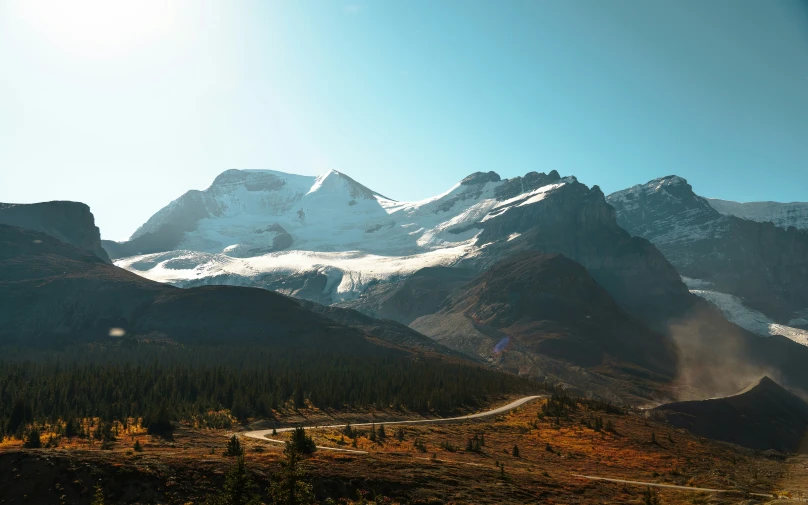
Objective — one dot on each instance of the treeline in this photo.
(118, 382)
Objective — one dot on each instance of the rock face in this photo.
(764, 416)
(543, 314)
(70, 222)
(765, 266)
(783, 215)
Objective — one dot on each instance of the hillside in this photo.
(763, 416)
(542, 314)
(52, 292)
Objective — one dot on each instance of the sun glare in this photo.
(98, 26)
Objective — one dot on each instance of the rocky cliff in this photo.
(70, 222)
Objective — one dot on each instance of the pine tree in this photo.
(32, 440)
(70, 428)
(289, 488)
(381, 434)
(238, 488)
(98, 497)
(138, 447)
(400, 434)
(515, 451)
(372, 435)
(348, 431)
(233, 447)
(302, 443)
(299, 400)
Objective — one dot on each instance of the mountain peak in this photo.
(480, 178)
(334, 181)
(764, 384)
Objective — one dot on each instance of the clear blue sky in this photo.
(127, 106)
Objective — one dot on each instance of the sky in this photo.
(127, 105)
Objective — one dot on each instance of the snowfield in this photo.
(734, 310)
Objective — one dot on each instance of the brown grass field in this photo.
(185, 468)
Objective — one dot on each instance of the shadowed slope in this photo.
(763, 416)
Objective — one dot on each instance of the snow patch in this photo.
(733, 309)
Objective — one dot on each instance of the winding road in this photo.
(264, 434)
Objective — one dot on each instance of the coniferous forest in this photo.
(119, 382)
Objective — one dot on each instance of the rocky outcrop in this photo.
(70, 222)
(763, 264)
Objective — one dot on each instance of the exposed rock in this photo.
(764, 265)
(70, 222)
(480, 178)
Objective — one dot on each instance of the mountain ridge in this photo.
(765, 266)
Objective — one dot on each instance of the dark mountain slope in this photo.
(51, 292)
(70, 222)
(576, 221)
(383, 329)
(763, 416)
(414, 296)
(535, 307)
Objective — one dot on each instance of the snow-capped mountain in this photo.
(245, 214)
(329, 239)
(758, 266)
(265, 227)
(781, 214)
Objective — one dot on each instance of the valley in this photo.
(430, 464)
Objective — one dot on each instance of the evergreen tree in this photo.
(138, 447)
(302, 443)
(515, 451)
(98, 497)
(299, 400)
(372, 435)
(158, 422)
(381, 434)
(234, 447)
(70, 428)
(238, 488)
(290, 488)
(32, 440)
(400, 434)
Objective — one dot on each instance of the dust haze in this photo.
(713, 359)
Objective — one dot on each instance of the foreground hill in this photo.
(763, 416)
(53, 292)
(764, 267)
(544, 314)
(70, 222)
